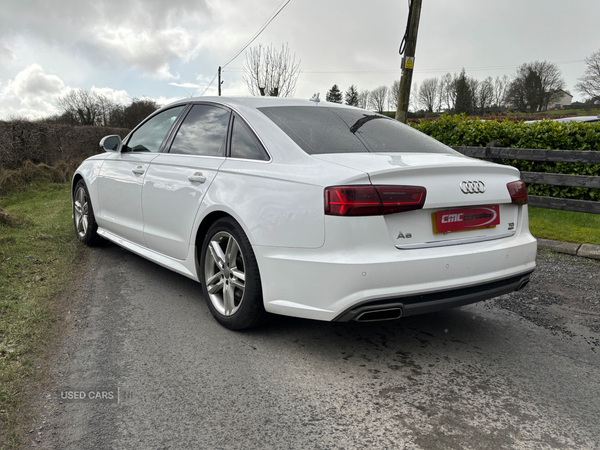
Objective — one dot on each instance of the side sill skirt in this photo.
(144, 252)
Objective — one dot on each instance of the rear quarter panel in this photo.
(277, 204)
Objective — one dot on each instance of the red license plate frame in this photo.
(465, 219)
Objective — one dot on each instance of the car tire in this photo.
(230, 277)
(86, 228)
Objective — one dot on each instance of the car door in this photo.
(177, 180)
(122, 174)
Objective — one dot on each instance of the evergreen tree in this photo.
(464, 94)
(351, 96)
(334, 94)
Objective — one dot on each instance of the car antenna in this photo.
(315, 98)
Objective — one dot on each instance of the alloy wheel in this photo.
(81, 212)
(224, 272)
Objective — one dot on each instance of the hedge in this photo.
(49, 143)
(546, 134)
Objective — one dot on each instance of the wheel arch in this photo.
(206, 223)
(76, 178)
(203, 228)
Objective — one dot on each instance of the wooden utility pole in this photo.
(219, 81)
(408, 61)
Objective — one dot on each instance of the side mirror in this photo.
(111, 143)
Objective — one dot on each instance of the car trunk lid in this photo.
(467, 199)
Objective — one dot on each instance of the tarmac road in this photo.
(519, 372)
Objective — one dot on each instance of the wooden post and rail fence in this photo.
(496, 154)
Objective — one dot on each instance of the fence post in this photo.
(488, 153)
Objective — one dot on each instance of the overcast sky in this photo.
(166, 50)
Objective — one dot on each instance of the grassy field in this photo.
(570, 112)
(38, 254)
(565, 225)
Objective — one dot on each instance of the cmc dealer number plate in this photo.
(465, 219)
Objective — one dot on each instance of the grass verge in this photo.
(37, 260)
(565, 226)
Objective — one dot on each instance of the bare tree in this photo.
(270, 72)
(589, 83)
(81, 107)
(500, 88)
(535, 85)
(377, 98)
(413, 101)
(428, 94)
(484, 94)
(363, 98)
(106, 109)
(448, 92)
(393, 95)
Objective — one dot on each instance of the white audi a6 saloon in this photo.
(307, 209)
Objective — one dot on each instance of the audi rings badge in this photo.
(472, 187)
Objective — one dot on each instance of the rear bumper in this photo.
(337, 284)
(426, 303)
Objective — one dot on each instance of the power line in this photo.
(211, 82)
(425, 70)
(275, 14)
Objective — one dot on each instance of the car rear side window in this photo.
(319, 129)
(149, 137)
(203, 132)
(244, 144)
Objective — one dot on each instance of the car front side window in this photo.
(203, 132)
(149, 137)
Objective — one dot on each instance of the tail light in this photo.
(518, 192)
(369, 200)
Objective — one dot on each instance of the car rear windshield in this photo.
(320, 129)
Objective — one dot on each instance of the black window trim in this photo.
(165, 146)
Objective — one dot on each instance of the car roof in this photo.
(258, 102)
(579, 119)
(588, 119)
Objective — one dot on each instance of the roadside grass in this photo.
(37, 260)
(566, 226)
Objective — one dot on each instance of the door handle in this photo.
(138, 170)
(197, 178)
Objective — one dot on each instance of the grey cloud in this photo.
(123, 33)
(6, 54)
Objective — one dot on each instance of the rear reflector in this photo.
(366, 200)
(518, 192)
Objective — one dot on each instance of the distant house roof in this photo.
(565, 92)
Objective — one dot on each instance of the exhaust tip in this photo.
(523, 284)
(379, 315)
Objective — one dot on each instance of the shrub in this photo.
(49, 143)
(546, 134)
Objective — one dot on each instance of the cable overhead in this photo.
(211, 82)
(424, 70)
(403, 43)
(275, 14)
(261, 29)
